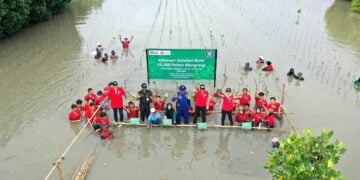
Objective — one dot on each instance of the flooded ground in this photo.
(47, 66)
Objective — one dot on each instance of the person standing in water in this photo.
(126, 42)
(201, 103)
(145, 97)
(227, 106)
(116, 95)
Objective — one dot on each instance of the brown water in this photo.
(47, 66)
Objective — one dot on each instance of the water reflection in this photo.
(222, 151)
(181, 136)
(343, 25)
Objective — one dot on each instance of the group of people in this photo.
(105, 56)
(96, 106)
(269, 67)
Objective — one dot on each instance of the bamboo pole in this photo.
(61, 173)
(82, 171)
(62, 157)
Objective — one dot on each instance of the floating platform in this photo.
(127, 124)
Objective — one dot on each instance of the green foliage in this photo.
(306, 157)
(355, 5)
(14, 14)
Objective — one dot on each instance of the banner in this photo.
(181, 64)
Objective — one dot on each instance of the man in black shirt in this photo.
(144, 96)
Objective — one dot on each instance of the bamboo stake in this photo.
(61, 174)
(82, 171)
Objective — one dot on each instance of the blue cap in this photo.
(182, 88)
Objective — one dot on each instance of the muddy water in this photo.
(47, 66)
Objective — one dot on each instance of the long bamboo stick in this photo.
(62, 157)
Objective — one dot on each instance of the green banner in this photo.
(181, 64)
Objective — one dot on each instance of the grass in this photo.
(355, 5)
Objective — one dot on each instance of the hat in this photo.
(115, 83)
(261, 57)
(274, 140)
(299, 73)
(143, 85)
(202, 86)
(152, 110)
(98, 44)
(182, 88)
(228, 90)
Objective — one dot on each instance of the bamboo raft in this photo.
(189, 125)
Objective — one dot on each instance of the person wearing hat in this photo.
(247, 67)
(261, 60)
(116, 95)
(154, 118)
(182, 105)
(99, 49)
(201, 103)
(227, 106)
(275, 143)
(144, 96)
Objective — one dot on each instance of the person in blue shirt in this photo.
(154, 118)
(182, 105)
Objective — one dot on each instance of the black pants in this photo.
(199, 109)
(144, 111)
(120, 112)
(223, 114)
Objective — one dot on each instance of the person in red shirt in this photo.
(227, 106)
(212, 103)
(269, 66)
(269, 120)
(260, 100)
(116, 97)
(244, 98)
(87, 104)
(74, 114)
(101, 121)
(132, 110)
(160, 103)
(79, 106)
(89, 114)
(241, 116)
(90, 94)
(201, 103)
(106, 133)
(126, 42)
(257, 116)
(274, 106)
(100, 97)
(247, 109)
